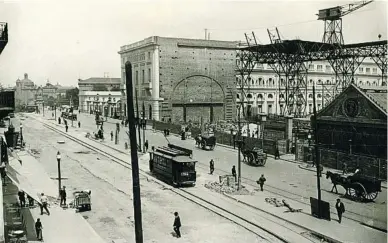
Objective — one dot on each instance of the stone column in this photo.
(155, 85)
(289, 125)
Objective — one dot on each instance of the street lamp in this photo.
(43, 107)
(21, 135)
(263, 119)
(309, 138)
(59, 171)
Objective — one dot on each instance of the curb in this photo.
(300, 166)
(325, 237)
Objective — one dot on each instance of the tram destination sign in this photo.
(7, 100)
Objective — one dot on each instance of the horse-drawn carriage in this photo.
(68, 115)
(204, 141)
(357, 186)
(254, 156)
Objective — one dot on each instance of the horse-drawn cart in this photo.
(254, 156)
(358, 187)
(204, 141)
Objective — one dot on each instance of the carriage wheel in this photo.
(203, 144)
(251, 158)
(371, 196)
(212, 147)
(357, 191)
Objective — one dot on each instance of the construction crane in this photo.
(333, 20)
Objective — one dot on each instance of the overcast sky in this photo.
(64, 40)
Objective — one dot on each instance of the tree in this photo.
(73, 94)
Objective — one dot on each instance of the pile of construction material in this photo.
(223, 187)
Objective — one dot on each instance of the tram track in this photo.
(252, 227)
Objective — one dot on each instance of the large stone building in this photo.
(353, 130)
(263, 92)
(182, 79)
(99, 84)
(106, 102)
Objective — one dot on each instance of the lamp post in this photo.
(317, 159)
(21, 135)
(350, 146)
(263, 119)
(43, 107)
(55, 111)
(59, 171)
(239, 147)
(143, 123)
(309, 140)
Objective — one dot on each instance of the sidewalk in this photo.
(63, 225)
(347, 231)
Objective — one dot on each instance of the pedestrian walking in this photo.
(345, 168)
(22, 198)
(67, 127)
(277, 153)
(261, 182)
(177, 225)
(63, 196)
(59, 120)
(79, 124)
(211, 163)
(234, 172)
(340, 209)
(111, 135)
(3, 172)
(43, 204)
(146, 145)
(38, 229)
(65, 121)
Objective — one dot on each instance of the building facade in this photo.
(106, 102)
(99, 84)
(182, 79)
(25, 92)
(262, 93)
(353, 130)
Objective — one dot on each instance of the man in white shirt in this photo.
(43, 204)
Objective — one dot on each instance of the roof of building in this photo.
(100, 81)
(378, 95)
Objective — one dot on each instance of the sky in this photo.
(62, 41)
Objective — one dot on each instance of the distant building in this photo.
(106, 102)
(182, 79)
(25, 92)
(99, 84)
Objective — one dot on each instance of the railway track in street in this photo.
(294, 232)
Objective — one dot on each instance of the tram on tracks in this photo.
(173, 164)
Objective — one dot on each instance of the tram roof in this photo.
(178, 159)
(294, 46)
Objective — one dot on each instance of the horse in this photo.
(336, 180)
(198, 140)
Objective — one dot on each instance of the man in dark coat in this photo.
(340, 209)
(211, 163)
(261, 182)
(234, 174)
(177, 225)
(22, 198)
(38, 229)
(63, 196)
(67, 127)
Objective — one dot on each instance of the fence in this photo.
(370, 166)
(228, 139)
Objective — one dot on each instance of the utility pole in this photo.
(239, 149)
(59, 172)
(317, 159)
(205, 34)
(134, 158)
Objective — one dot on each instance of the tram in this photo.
(174, 165)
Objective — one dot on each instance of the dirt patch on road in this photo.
(224, 188)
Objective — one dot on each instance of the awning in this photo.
(31, 177)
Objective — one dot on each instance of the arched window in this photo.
(327, 81)
(319, 96)
(310, 96)
(281, 96)
(260, 96)
(327, 95)
(270, 96)
(249, 96)
(368, 83)
(374, 83)
(319, 81)
(260, 81)
(360, 83)
(311, 81)
(238, 96)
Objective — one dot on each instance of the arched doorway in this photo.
(150, 112)
(198, 97)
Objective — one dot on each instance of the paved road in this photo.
(112, 213)
(285, 179)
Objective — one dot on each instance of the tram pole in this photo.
(317, 159)
(137, 120)
(239, 149)
(134, 158)
(144, 127)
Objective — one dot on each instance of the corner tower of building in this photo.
(182, 79)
